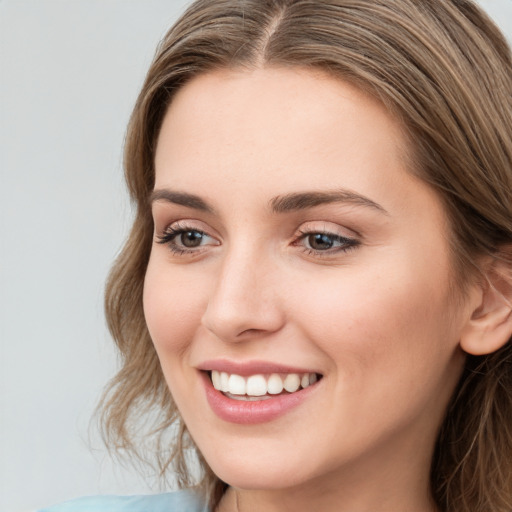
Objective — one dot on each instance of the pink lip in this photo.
(250, 367)
(249, 413)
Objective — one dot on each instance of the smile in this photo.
(260, 386)
(256, 393)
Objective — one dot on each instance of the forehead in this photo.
(273, 119)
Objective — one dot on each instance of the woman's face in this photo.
(292, 245)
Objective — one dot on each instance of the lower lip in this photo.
(253, 412)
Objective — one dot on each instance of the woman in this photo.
(315, 298)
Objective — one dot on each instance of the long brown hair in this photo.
(444, 70)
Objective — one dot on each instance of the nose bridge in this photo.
(244, 298)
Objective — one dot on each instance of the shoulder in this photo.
(181, 501)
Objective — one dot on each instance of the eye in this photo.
(320, 241)
(324, 242)
(185, 239)
(190, 238)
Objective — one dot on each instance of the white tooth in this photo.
(236, 385)
(246, 398)
(304, 382)
(224, 382)
(256, 385)
(292, 382)
(216, 379)
(275, 384)
(312, 378)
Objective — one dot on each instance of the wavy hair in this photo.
(444, 70)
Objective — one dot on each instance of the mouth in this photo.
(255, 392)
(260, 386)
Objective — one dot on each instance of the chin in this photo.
(256, 477)
(260, 466)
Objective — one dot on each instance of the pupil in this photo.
(320, 241)
(191, 238)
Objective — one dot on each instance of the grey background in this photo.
(70, 71)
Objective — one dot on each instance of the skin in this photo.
(377, 317)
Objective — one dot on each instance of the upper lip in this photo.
(246, 368)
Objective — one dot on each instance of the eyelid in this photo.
(327, 227)
(190, 224)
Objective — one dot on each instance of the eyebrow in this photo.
(181, 198)
(280, 204)
(304, 200)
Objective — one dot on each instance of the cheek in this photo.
(172, 307)
(388, 325)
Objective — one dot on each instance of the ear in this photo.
(490, 324)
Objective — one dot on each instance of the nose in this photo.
(245, 300)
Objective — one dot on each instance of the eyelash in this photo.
(346, 244)
(172, 232)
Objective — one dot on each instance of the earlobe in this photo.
(490, 324)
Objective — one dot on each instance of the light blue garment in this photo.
(181, 501)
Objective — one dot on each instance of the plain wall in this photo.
(70, 71)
